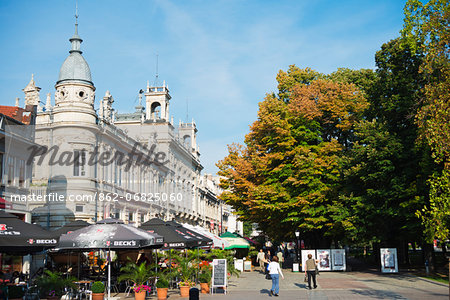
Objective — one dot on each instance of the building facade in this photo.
(92, 165)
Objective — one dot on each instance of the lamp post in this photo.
(297, 235)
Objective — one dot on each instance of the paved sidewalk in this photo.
(331, 286)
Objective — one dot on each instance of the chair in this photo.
(128, 288)
(84, 290)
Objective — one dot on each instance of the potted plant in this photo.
(139, 275)
(205, 279)
(15, 292)
(162, 285)
(185, 270)
(98, 290)
(52, 284)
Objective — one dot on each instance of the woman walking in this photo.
(275, 272)
(310, 270)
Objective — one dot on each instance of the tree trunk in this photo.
(407, 260)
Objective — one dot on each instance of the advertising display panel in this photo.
(389, 260)
(338, 260)
(324, 259)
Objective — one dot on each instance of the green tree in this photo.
(426, 30)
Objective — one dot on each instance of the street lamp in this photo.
(297, 234)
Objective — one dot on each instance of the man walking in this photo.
(310, 271)
(260, 258)
(280, 258)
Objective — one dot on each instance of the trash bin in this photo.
(194, 294)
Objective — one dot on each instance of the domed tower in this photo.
(75, 92)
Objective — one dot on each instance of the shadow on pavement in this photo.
(265, 291)
(377, 294)
(300, 285)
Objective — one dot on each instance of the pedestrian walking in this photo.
(280, 258)
(261, 258)
(310, 270)
(267, 260)
(275, 273)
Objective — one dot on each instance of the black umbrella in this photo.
(173, 238)
(69, 227)
(109, 234)
(201, 239)
(17, 236)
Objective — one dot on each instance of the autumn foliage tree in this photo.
(285, 177)
(358, 156)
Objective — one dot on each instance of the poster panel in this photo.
(305, 257)
(324, 259)
(389, 262)
(338, 260)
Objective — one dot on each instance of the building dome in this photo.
(75, 69)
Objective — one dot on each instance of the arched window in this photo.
(156, 111)
(187, 141)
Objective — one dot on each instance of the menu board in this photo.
(219, 273)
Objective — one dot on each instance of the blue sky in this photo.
(220, 57)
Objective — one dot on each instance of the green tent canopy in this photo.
(235, 241)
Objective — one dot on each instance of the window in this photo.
(79, 208)
(79, 163)
(131, 187)
(21, 173)
(10, 170)
(1, 167)
(116, 172)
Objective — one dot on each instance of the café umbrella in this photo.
(235, 242)
(203, 241)
(69, 227)
(19, 237)
(109, 235)
(217, 241)
(173, 238)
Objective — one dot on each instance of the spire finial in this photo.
(76, 17)
(75, 39)
(156, 83)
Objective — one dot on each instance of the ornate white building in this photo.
(130, 166)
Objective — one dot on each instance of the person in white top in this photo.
(275, 272)
(261, 259)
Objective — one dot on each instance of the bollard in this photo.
(194, 294)
(427, 268)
